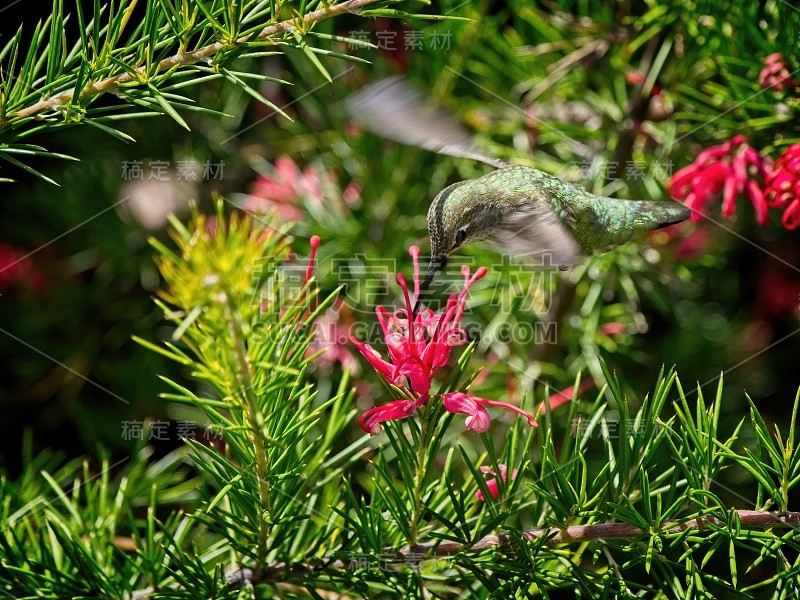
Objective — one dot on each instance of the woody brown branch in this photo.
(182, 59)
(574, 534)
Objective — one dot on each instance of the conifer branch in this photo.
(182, 59)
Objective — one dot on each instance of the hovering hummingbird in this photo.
(523, 210)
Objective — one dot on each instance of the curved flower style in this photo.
(417, 351)
(783, 186)
(477, 417)
(729, 168)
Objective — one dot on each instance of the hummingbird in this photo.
(523, 210)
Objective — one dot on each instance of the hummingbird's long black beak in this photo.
(435, 265)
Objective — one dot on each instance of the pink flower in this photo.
(285, 189)
(492, 484)
(17, 268)
(776, 74)
(730, 168)
(783, 186)
(613, 329)
(331, 339)
(352, 193)
(13, 266)
(418, 345)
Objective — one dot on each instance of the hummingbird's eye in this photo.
(461, 235)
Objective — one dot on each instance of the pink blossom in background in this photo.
(733, 168)
(352, 193)
(694, 244)
(285, 188)
(613, 329)
(776, 74)
(331, 335)
(684, 241)
(295, 194)
(13, 266)
(492, 484)
(16, 268)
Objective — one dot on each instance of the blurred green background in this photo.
(541, 83)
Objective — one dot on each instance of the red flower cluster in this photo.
(731, 168)
(418, 346)
(783, 186)
(776, 74)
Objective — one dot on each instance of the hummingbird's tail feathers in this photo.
(534, 231)
(396, 110)
(617, 221)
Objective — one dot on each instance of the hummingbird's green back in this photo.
(530, 212)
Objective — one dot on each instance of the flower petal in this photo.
(759, 203)
(458, 402)
(420, 377)
(373, 356)
(729, 198)
(398, 409)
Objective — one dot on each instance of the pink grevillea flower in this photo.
(776, 74)
(284, 189)
(492, 484)
(331, 338)
(419, 345)
(783, 186)
(731, 168)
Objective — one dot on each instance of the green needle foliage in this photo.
(617, 498)
(617, 494)
(145, 54)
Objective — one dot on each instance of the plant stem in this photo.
(244, 379)
(181, 59)
(576, 534)
(419, 479)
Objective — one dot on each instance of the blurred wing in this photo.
(394, 109)
(537, 233)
